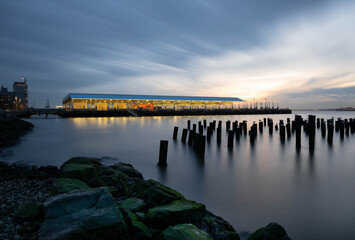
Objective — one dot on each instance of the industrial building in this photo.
(104, 102)
(15, 100)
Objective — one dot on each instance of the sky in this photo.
(300, 54)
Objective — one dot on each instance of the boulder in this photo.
(85, 173)
(179, 211)
(83, 214)
(217, 227)
(184, 232)
(137, 229)
(29, 211)
(154, 193)
(132, 204)
(113, 178)
(273, 231)
(64, 185)
(128, 170)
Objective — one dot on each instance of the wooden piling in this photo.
(228, 125)
(245, 127)
(264, 121)
(341, 128)
(298, 124)
(175, 132)
(230, 139)
(311, 131)
(261, 128)
(282, 131)
(188, 124)
(204, 123)
(209, 133)
(219, 134)
(163, 153)
(288, 130)
(191, 137)
(184, 135)
(194, 127)
(200, 129)
(330, 133)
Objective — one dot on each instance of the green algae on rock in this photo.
(184, 232)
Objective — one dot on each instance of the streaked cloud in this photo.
(279, 50)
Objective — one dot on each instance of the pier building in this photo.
(105, 102)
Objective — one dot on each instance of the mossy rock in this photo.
(132, 204)
(85, 173)
(83, 214)
(179, 211)
(154, 193)
(84, 161)
(113, 178)
(64, 185)
(273, 231)
(217, 227)
(137, 229)
(28, 211)
(128, 169)
(184, 232)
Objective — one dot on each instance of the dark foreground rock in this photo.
(12, 129)
(87, 200)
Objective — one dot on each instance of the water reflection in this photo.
(250, 184)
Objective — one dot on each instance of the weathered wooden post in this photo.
(204, 123)
(163, 153)
(202, 146)
(311, 131)
(318, 123)
(175, 132)
(323, 128)
(237, 133)
(330, 132)
(282, 131)
(341, 128)
(184, 135)
(200, 129)
(347, 127)
(264, 121)
(293, 126)
(245, 127)
(219, 134)
(234, 126)
(188, 124)
(261, 126)
(271, 126)
(288, 129)
(220, 124)
(230, 139)
(298, 123)
(209, 133)
(276, 127)
(191, 137)
(228, 125)
(194, 127)
(214, 124)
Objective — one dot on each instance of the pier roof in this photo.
(150, 97)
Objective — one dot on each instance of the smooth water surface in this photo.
(313, 197)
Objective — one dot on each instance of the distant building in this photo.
(16, 100)
(106, 102)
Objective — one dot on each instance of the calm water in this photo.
(312, 197)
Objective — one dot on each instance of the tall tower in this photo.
(21, 92)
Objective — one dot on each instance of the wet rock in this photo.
(217, 227)
(184, 232)
(83, 214)
(137, 229)
(132, 204)
(128, 170)
(64, 185)
(154, 194)
(179, 211)
(29, 211)
(273, 231)
(80, 168)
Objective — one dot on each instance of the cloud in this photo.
(247, 49)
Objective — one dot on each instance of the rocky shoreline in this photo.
(85, 199)
(12, 129)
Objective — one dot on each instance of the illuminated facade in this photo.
(104, 102)
(16, 100)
